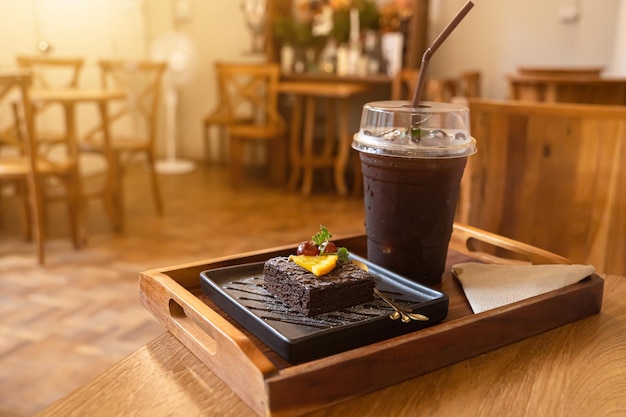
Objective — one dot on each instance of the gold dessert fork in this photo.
(400, 313)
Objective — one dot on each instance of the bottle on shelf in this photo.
(354, 45)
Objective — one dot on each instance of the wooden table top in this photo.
(575, 370)
(334, 78)
(322, 89)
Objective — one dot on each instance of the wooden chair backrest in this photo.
(58, 157)
(16, 114)
(470, 84)
(403, 84)
(15, 99)
(467, 85)
(36, 164)
(250, 90)
(10, 96)
(551, 175)
(142, 80)
(221, 113)
(52, 73)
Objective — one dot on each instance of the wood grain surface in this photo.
(66, 322)
(575, 370)
(551, 175)
(273, 388)
(567, 89)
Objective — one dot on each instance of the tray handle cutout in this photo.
(193, 329)
(499, 249)
(211, 337)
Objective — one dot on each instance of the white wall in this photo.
(219, 32)
(90, 29)
(499, 35)
(95, 29)
(618, 67)
(495, 37)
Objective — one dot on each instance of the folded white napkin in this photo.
(488, 286)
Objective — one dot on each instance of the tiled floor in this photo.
(64, 323)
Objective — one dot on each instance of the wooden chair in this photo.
(12, 143)
(9, 132)
(467, 85)
(31, 170)
(133, 123)
(254, 86)
(551, 175)
(221, 116)
(470, 84)
(442, 90)
(51, 73)
(403, 84)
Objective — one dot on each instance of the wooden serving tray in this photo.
(273, 387)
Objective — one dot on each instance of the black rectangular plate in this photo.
(239, 291)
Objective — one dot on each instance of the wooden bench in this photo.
(551, 175)
(567, 89)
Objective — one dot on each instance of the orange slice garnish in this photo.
(319, 265)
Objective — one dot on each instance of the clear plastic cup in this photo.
(412, 160)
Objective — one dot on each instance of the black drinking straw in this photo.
(417, 94)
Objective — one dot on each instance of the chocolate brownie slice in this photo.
(346, 285)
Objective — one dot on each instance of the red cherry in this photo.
(308, 249)
(330, 248)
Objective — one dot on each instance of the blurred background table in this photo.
(69, 98)
(337, 136)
